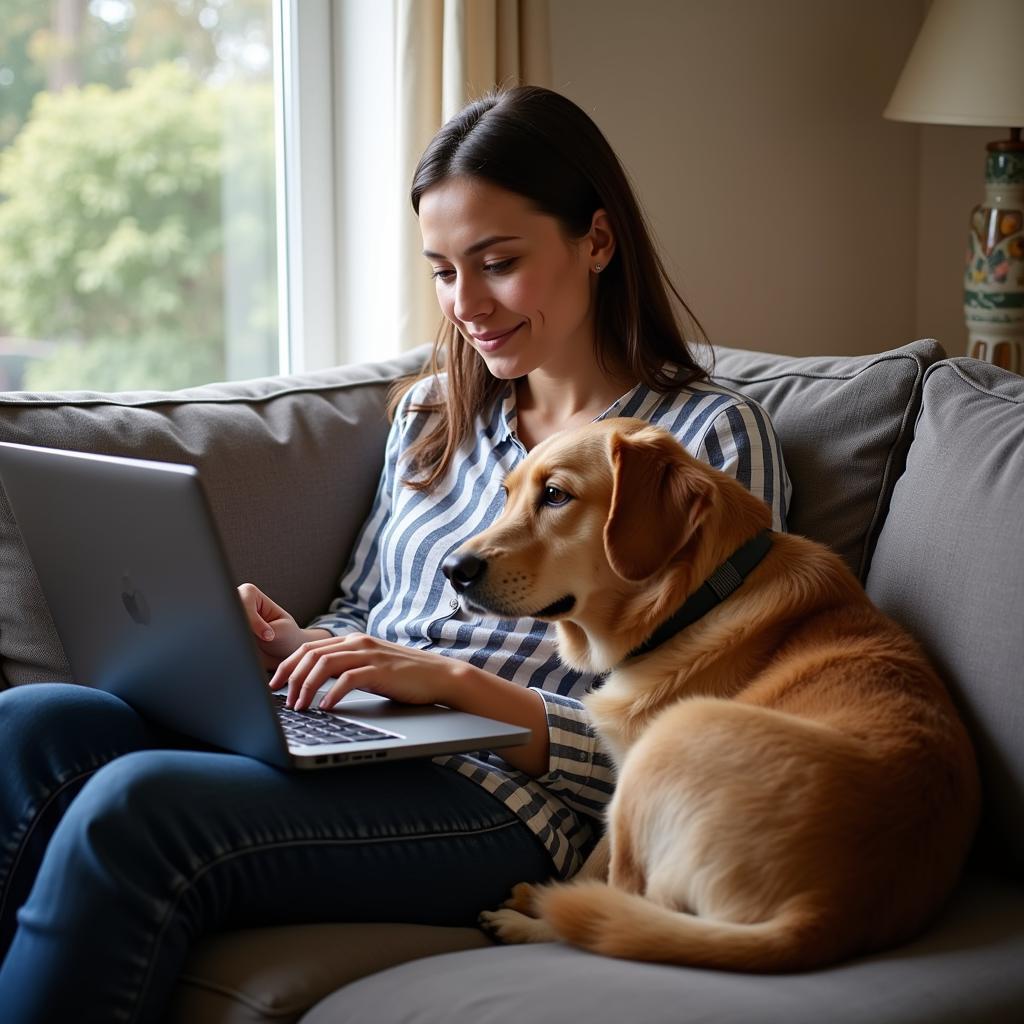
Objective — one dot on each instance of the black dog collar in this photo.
(713, 591)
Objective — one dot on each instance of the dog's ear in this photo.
(659, 499)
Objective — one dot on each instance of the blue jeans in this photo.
(118, 851)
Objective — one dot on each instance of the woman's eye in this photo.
(499, 266)
(442, 274)
(555, 496)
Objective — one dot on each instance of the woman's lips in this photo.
(492, 341)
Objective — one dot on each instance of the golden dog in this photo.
(794, 786)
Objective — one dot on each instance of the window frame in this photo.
(305, 176)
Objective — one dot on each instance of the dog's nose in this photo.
(463, 570)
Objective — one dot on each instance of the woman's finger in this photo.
(288, 665)
(313, 672)
(249, 597)
(318, 661)
(354, 679)
(258, 609)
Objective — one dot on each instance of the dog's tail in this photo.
(616, 923)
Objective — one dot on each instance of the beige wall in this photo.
(795, 218)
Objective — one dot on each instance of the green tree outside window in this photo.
(132, 214)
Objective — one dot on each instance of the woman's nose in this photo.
(471, 299)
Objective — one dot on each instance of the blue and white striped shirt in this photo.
(394, 589)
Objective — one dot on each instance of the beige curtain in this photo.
(448, 52)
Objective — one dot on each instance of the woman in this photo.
(121, 845)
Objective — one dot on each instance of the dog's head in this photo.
(596, 521)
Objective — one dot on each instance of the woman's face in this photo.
(516, 288)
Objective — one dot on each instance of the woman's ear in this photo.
(600, 242)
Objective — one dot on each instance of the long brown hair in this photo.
(539, 145)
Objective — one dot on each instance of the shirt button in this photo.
(453, 603)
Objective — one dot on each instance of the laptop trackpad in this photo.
(354, 695)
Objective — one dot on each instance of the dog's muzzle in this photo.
(466, 572)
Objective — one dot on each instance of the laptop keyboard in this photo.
(313, 727)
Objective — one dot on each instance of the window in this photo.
(138, 214)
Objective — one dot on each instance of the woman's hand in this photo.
(276, 631)
(363, 662)
(413, 676)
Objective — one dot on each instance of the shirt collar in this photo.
(508, 419)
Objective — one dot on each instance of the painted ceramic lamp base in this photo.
(994, 278)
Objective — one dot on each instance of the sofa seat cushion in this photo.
(264, 975)
(966, 968)
(845, 423)
(949, 565)
(289, 465)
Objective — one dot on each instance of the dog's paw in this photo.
(510, 926)
(522, 899)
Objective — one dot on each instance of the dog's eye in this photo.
(554, 496)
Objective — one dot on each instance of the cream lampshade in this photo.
(967, 68)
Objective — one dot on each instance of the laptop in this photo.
(135, 574)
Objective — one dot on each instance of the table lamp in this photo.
(967, 68)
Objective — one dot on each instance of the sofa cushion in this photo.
(845, 423)
(950, 565)
(263, 975)
(966, 968)
(289, 465)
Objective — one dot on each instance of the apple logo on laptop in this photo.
(135, 602)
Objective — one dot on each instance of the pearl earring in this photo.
(598, 267)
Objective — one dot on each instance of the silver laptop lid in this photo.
(135, 581)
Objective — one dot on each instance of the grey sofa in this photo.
(909, 464)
